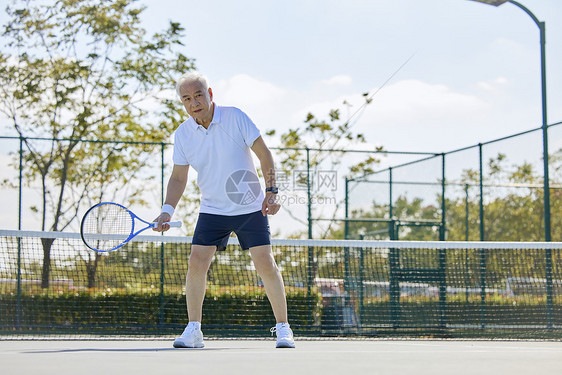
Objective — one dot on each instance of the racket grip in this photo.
(175, 224)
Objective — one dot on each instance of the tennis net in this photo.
(334, 288)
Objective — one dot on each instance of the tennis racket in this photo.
(108, 226)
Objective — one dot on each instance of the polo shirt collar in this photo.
(216, 118)
(216, 115)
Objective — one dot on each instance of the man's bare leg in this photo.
(272, 280)
(196, 280)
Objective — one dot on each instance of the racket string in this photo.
(107, 226)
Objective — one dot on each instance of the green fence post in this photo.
(482, 253)
(546, 179)
(161, 318)
(361, 285)
(308, 194)
(390, 204)
(443, 253)
(310, 273)
(442, 230)
(18, 292)
(466, 238)
(482, 287)
(394, 287)
(466, 213)
(346, 213)
(392, 229)
(549, 289)
(481, 192)
(348, 282)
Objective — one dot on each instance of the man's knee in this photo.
(264, 261)
(200, 257)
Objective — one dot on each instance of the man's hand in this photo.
(270, 205)
(162, 221)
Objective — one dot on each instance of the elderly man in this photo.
(216, 141)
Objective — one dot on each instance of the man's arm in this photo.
(269, 205)
(174, 191)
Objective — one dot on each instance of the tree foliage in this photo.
(513, 207)
(320, 146)
(75, 70)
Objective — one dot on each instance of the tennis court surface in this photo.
(260, 357)
(356, 307)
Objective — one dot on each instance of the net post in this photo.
(309, 284)
(394, 287)
(442, 288)
(549, 289)
(348, 286)
(361, 285)
(482, 288)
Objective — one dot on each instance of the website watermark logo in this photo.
(243, 187)
(296, 187)
(304, 180)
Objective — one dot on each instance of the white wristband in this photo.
(169, 209)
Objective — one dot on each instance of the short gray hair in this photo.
(192, 77)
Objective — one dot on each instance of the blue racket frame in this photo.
(132, 234)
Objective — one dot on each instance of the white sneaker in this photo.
(192, 337)
(284, 335)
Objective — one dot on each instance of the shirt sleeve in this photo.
(249, 130)
(179, 157)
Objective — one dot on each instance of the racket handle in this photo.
(173, 224)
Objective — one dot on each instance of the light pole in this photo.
(541, 25)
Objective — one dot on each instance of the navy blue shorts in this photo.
(251, 230)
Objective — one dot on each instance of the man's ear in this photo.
(211, 93)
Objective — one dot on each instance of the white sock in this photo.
(195, 325)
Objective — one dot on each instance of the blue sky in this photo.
(475, 74)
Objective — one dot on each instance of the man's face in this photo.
(197, 100)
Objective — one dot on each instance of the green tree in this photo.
(319, 146)
(414, 217)
(305, 153)
(86, 70)
(513, 203)
(513, 207)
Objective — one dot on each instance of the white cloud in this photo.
(413, 101)
(511, 45)
(339, 80)
(266, 103)
(493, 85)
(405, 115)
(248, 92)
(407, 102)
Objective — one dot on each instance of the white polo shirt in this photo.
(226, 174)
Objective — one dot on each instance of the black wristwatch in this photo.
(272, 189)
